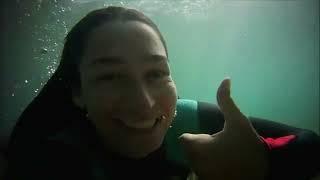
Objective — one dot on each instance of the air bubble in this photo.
(16, 86)
(65, 30)
(39, 4)
(44, 50)
(26, 81)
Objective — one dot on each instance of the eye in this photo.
(156, 74)
(110, 76)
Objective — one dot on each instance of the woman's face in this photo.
(126, 86)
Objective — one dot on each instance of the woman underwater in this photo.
(105, 113)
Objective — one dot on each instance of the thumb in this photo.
(226, 103)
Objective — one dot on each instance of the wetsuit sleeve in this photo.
(293, 152)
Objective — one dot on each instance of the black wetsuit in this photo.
(294, 153)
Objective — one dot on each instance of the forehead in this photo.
(127, 40)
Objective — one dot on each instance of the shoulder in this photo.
(59, 156)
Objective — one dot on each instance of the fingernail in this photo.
(228, 83)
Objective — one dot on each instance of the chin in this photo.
(142, 151)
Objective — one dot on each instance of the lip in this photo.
(137, 130)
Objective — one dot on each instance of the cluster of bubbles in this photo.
(49, 33)
(47, 22)
(185, 8)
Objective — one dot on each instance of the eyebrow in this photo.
(116, 60)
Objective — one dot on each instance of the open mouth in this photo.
(143, 126)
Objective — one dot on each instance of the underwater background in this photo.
(269, 48)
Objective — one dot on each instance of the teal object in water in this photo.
(185, 121)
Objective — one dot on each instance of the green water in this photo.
(270, 49)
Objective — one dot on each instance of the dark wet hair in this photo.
(52, 109)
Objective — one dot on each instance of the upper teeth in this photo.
(140, 124)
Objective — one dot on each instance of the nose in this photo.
(141, 100)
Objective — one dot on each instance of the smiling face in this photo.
(126, 86)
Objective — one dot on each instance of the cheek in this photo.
(99, 107)
(99, 112)
(167, 101)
